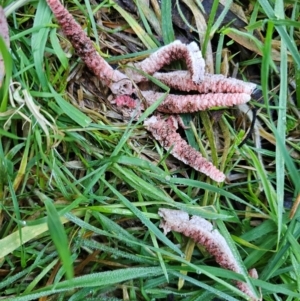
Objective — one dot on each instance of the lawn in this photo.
(84, 185)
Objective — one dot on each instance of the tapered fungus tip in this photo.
(218, 176)
(251, 87)
(210, 83)
(165, 132)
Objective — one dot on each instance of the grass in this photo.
(80, 187)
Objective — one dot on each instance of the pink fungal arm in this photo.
(202, 232)
(165, 132)
(175, 104)
(211, 83)
(117, 81)
(190, 53)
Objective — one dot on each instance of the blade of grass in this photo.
(140, 32)
(136, 182)
(7, 59)
(265, 180)
(231, 244)
(15, 5)
(147, 12)
(103, 279)
(154, 240)
(39, 261)
(38, 42)
(142, 9)
(297, 77)
(281, 130)
(57, 49)
(13, 241)
(209, 33)
(40, 277)
(279, 258)
(282, 31)
(76, 115)
(270, 288)
(58, 235)
(205, 186)
(203, 285)
(166, 21)
(87, 6)
(22, 168)
(145, 220)
(210, 135)
(116, 252)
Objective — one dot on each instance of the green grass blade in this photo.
(140, 32)
(265, 181)
(76, 115)
(13, 241)
(40, 260)
(209, 33)
(7, 59)
(145, 220)
(92, 20)
(282, 31)
(212, 188)
(58, 50)
(103, 279)
(226, 235)
(167, 24)
(281, 130)
(204, 286)
(221, 17)
(58, 235)
(38, 42)
(279, 258)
